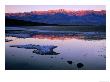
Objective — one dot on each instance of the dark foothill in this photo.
(80, 65)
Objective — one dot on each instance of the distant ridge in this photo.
(69, 12)
(62, 17)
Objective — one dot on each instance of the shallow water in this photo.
(91, 53)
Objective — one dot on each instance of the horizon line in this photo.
(58, 9)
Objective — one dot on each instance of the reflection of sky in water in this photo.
(76, 50)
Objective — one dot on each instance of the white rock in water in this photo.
(40, 49)
(42, 52)
(45, 50)
(31, 46)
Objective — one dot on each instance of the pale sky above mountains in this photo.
(28, 8)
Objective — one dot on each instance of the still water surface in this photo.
(91, 53)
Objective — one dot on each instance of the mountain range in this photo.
(62, 17)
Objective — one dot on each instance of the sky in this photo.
(28, 8)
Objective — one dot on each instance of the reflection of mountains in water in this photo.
(68, 37)
(57, 35)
